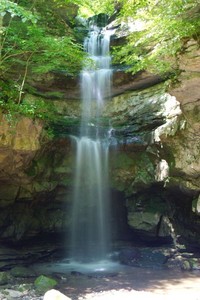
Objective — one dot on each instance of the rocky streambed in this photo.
(131, 271)
(134, 282)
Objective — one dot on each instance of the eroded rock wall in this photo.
(154, 158)
(33, 171)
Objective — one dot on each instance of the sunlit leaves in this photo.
(47, 52)
(28, 47)
(15, 10)
(168, 23)
(88, 8)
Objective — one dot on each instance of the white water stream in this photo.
(90, 234)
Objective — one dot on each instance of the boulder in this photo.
(44, 283)
(55, 295)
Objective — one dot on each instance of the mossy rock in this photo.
(44, 283)
(101, 20)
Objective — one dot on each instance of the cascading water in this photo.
(90, 234)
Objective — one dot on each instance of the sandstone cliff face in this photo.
(154, 157)
(184, 147)
(187, 143)
(19, 143)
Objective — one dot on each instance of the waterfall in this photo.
(90, 234)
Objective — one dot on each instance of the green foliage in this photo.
(47, 52)
(8, 91)
(37, 37)
(88, 8)
(15, 10)
(40, 109)
(34, 38)
(55, 16)
(166, 26)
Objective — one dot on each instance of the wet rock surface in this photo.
(149, 258)
(127, 282)
(155, 270)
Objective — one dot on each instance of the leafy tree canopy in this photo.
(166, 26)
(36, 32)
(88, 8)
(7, 6)
(36, 36)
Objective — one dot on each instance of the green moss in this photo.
(131, 171)
(32, 171)
(122, 160)
(44, 283)
(145, 169)
(44, 185)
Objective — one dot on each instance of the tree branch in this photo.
(24, 78)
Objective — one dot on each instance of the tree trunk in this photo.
(1, 33)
